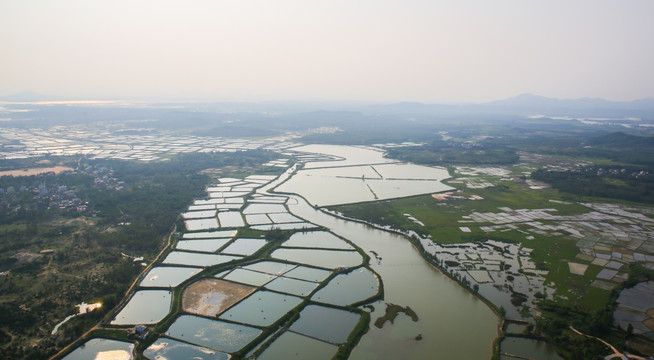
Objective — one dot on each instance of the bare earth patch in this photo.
(649, 323)
(211, 297)
(577, 269)
(36, 171)
(600, 262)
(442, 196)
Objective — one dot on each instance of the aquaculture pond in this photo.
(452, 322)
(165, 348)
(244, 246)
(292, 286)
(527, 348)
(197, 259)
(209, 297)
(364, 175)
(210, 234)
(295, 346)
(167, 276)
(249, 277)
(257, 219)
(515, 328)
(230, 219)
(102, 349)
(145, 307)
(285, 226)
(317, 239)
(330, 259)
(327, 324)
(261, 308)
(264, 209)
(214, 334)
(308, 274)
(204, 245)
(345, 289)
(232, 308)
(201, 224)
(284, 218)
(270, 267)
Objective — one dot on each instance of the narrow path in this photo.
(616, 354)
(156, 259)
(97, 326)
(516, 356)
(593, 337)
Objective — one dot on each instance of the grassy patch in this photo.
(392, 310)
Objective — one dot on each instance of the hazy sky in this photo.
(360, 50)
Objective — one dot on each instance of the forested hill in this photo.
(622, 140)
(621, 148)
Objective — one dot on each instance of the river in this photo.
(452, 323)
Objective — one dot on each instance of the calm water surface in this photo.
(534, 349)
(452, 322)
(329, 324)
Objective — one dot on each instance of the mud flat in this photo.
(210, 297)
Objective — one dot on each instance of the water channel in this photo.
(452, 322)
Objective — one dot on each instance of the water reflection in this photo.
(213, 334)
(345, 289)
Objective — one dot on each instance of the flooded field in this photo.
(635, 308)
(364, 175)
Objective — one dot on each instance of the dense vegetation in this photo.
(84, 261)
(446, 154)
(622, 148)
(622, 183)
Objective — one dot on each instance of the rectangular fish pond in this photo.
(165, 348)
(145, 307)
(214, 334)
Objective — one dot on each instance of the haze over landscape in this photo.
(372, 51)
(326, 180)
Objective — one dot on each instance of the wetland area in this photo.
(315, 291)
(305, 263)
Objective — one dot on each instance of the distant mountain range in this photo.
(521, 105)
(535, 101)
(528, 104)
